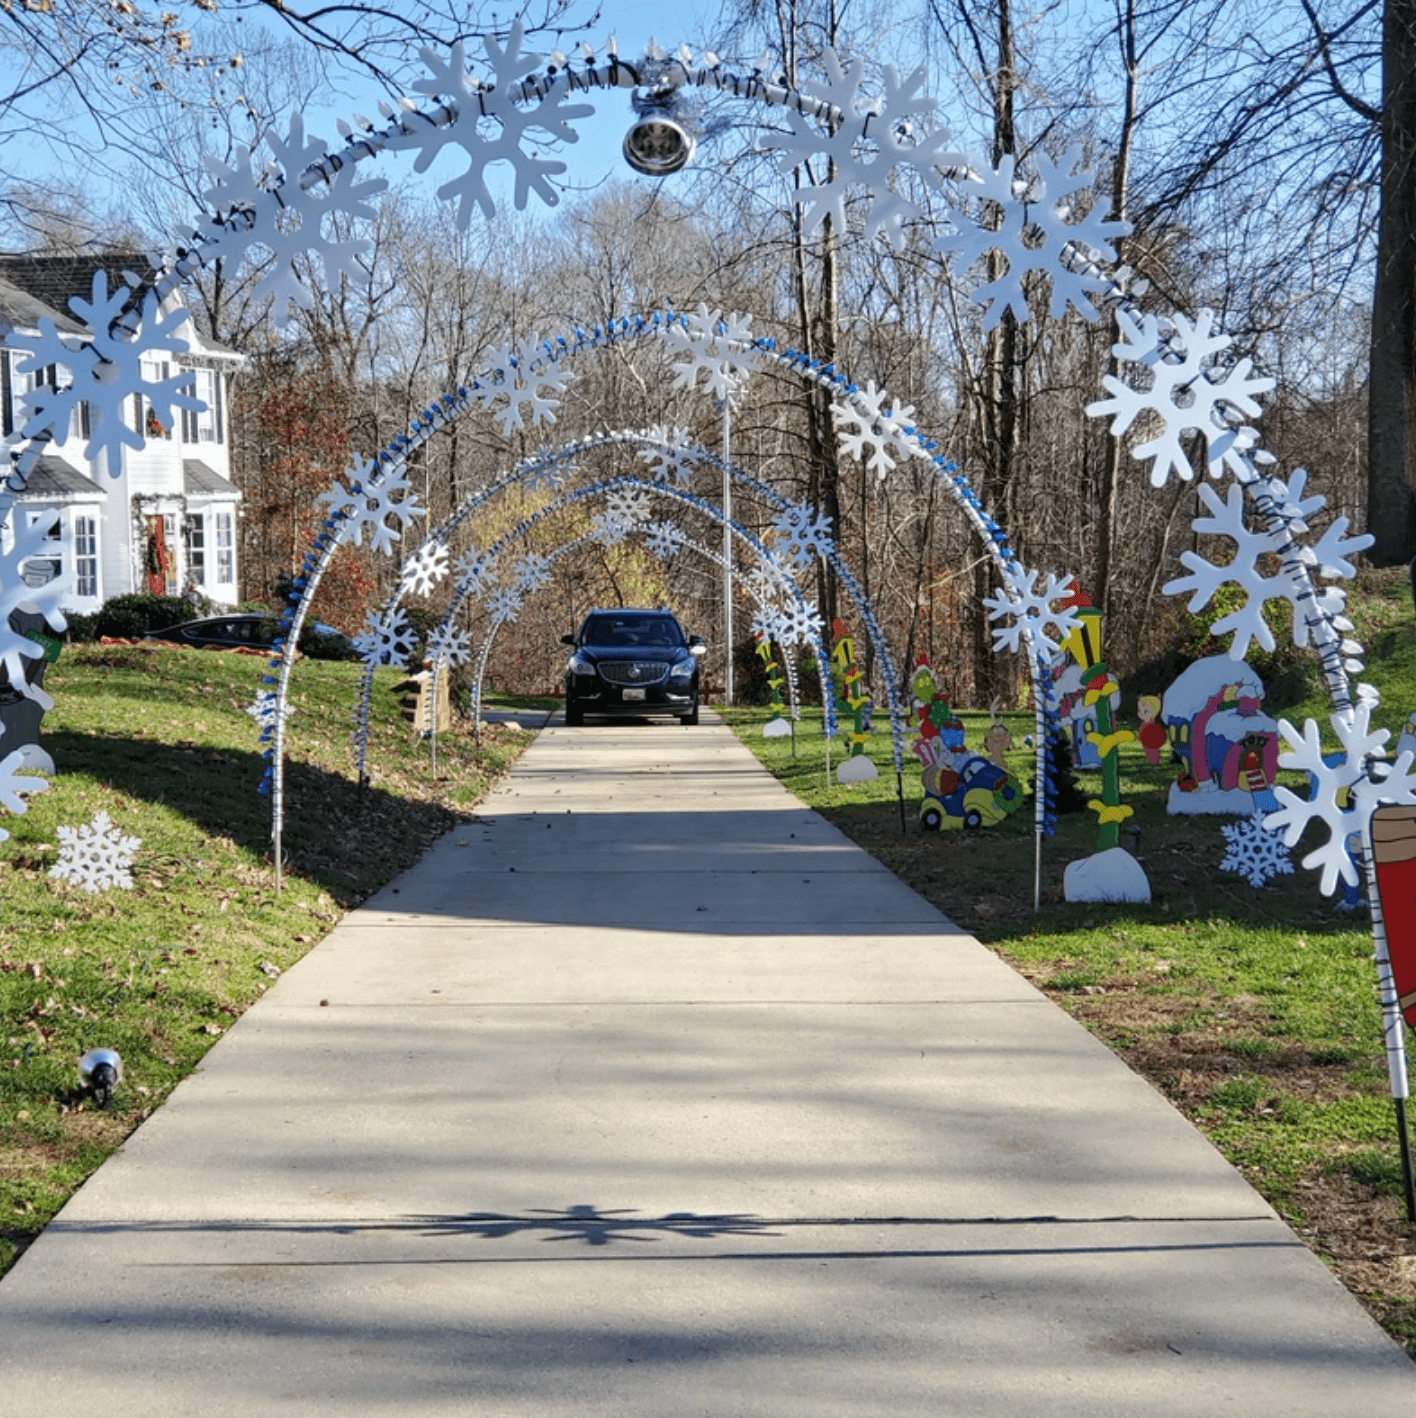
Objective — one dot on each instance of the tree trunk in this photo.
(1391, 514)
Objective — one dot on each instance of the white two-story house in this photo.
(167, 524)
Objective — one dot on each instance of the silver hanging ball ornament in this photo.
(100, 1072)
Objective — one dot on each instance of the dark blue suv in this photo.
(632, 662)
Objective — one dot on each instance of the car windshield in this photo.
(629, 630)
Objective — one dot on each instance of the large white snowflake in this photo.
(1227, 519)
(367, 504)
(254, 207)
(30, 540)
(1033, 616)
(718, 346)
(1253, 852)
(119, 360)
(532, 382)
(491, 126)
(662, 539)
(96, 856)
(802, 534)
(1033, 223)
(448, 645)
(873, 135)
(385, 640)
(1187, 388)
(424, 569)
(865, 426)
(669, 456)
(1347, 787)
(16, 783)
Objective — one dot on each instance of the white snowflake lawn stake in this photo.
(1038, 224)
(1188, 392)
(96, 857)
(1254, 853)
(725, 356)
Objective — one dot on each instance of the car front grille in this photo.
(634, 672)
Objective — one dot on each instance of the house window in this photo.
(204, 425)
(151, 426)
(196, 549)
(173, 568)
(86, 557)
(225, 549)
(49, 564)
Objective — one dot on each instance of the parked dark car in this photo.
(632, 662)
(249, 631)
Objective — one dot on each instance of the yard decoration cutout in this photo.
(854, 707)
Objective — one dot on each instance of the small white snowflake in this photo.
(531, 381)
(475, 572)
(631, 507)
(1255, 853)
(1189, 392)
(718, 346)
(797, 624)
(96, 857)
(662, 539)
(1039, 223)
(367, 504)
(803, 534)
(531, 573)
(504, 603)
(385, 640)
(863, 422)
(424, 569)
(448, 646)
(263, 710)
(669, 455)
(1034, 617)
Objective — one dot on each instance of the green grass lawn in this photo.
(161, 742)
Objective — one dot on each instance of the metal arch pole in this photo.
(727, 552)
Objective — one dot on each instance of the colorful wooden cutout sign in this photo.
(961, 787)
(777, 726)
(1226, 744)
(1394, 853)
(854, 706)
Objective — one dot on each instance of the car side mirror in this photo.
(696, 646)
(567, 640)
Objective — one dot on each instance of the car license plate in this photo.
(631, 695)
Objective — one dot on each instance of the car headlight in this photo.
(579, 665)
(683, 669)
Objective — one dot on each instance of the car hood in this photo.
(653, 654)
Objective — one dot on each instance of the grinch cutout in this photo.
(1226, 744)
(777, 727)
(854, 706)
(961, 788)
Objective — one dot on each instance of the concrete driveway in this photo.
(649, 1093)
